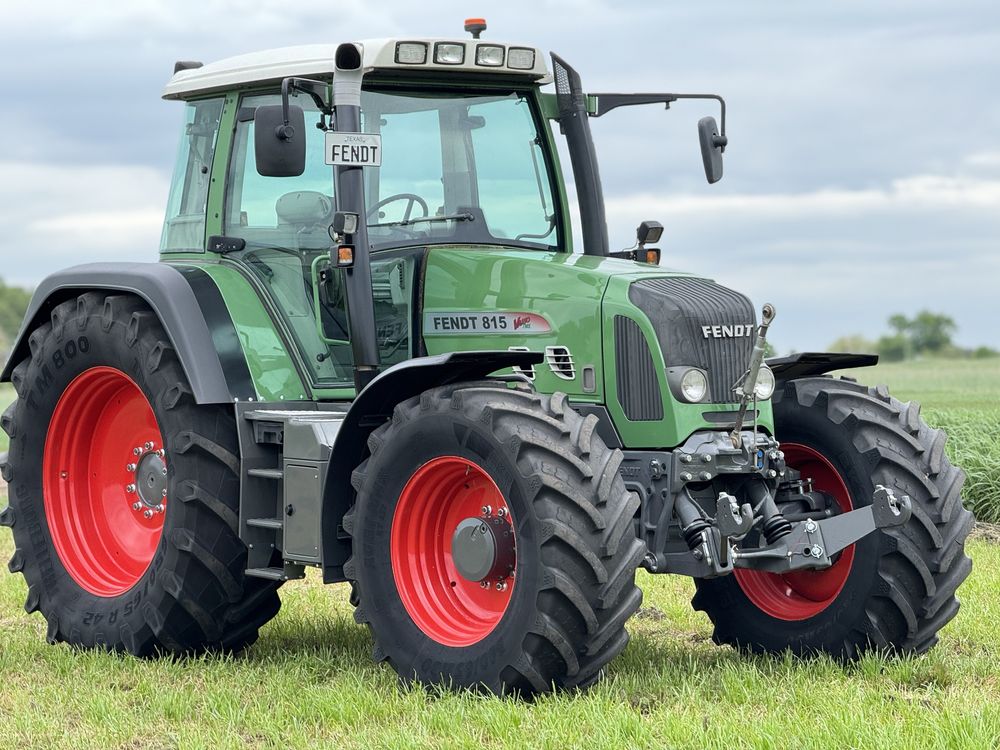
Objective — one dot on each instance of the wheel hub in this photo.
(482, 549)
(148, 479)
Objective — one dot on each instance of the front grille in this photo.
(638, 387)
(679, 309)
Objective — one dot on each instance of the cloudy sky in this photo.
(862, 177)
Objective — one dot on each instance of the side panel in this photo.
(563, 289)
(182, 308)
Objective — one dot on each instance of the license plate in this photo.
(353, 150)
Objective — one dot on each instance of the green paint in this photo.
(579, 295)
(271, 366)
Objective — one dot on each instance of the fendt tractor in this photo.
(370, 347)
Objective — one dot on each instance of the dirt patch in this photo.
(988, 532)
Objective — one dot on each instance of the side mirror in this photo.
(280, 143)
(712, 146)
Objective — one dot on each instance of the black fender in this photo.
(811, 364)
(372, 407)
(189, 306)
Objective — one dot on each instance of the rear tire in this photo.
(573, 587)
(181, 587)
(900, 590)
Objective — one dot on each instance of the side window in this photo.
(290, 212)
(184, 226)
(392, 291)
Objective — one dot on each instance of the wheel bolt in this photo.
(164, 493)
(484, 584)
(159, 508)
(137, 451)
(130, 488)
(501, 512)
(161, 453)
(148, 446)
(501, 586)
(147, 513)
(487, 510)
(131, 467)
(136, 506)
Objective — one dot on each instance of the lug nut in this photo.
(137, 451)
(148, 446)
(136, 506)
(159, 508)
(163, 494)
(147, 513)
(487, 510)
(164, 471)
(501, 512)
(161, 453)
(131, 467)
(501, 586)
(130, 488)
(484, 584)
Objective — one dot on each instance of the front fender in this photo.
(372, 407)
(189, 306)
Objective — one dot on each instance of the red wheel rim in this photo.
(448, 608)
(805, 593)
(103, 436)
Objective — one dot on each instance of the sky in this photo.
(862, 176)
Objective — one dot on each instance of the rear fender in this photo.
(188, 304)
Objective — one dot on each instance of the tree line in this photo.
(926, 334)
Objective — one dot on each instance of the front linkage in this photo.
(698, 486)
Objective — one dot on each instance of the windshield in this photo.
(456, 168)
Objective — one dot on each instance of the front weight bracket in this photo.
(812, 544)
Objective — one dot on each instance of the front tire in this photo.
(553, 614)
(124, 493)
(894, 589)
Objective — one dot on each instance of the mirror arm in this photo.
(608, 102)
(316, 90)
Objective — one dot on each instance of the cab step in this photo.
(286, 573)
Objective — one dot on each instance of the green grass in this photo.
(963, 398)
(310, 682)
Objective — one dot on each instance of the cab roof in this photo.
(266, 66)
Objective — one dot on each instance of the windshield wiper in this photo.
(425, 220)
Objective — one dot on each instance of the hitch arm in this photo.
(812, 544)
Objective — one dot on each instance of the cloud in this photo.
(56, 216)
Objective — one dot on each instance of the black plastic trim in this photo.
(372, 407)
(224, 335)
(811, 364)
(170, 295)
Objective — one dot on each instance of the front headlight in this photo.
(694, 385)
(764, 386)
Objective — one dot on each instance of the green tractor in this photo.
(369, 347)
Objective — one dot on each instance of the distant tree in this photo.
(854, 344)
(894, 348)
(984, 352)
(931, 332)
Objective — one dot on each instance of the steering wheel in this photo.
(411, 199)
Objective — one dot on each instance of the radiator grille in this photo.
(680, 308)
(638, 387)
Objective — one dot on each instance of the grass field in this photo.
(309, 682)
